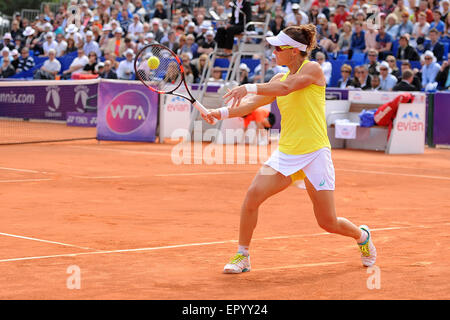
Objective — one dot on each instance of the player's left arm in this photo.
(311, 73)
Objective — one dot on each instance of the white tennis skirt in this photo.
(317, 166)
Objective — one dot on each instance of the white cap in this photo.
(243, 66)
(191, 24)
(28, 31)
(128, 51)
(209, 33)
(295, 6)
(71, 28)
(118, 30)
(149, 35)
(89, 33)
(7, 36)
(14, 52)
(5, 49)
(384, 64)
(49, 34)
(107, 27)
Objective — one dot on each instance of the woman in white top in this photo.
(326, 66)
(421, 27)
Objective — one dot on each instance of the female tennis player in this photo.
(304, 151)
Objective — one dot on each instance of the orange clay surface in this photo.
(139, 226)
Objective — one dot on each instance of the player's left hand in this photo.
(212, 116)
(236, 94)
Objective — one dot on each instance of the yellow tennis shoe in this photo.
(238, 264)
(368, 250)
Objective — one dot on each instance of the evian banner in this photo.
(127, 111)
(47, 100)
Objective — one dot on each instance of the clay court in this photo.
(140, 227)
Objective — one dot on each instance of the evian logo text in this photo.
(127, 112)
(410, 122)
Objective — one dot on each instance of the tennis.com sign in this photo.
(410, 121)
(127, 111)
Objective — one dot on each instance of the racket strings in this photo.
(166, 77)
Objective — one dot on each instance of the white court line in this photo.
(24, 180)
(105, 177)
(20, 170)
(306, 265)
(180, 246)
(42, 240)
(201, 173)
(396, 174)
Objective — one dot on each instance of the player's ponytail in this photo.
(305, 34)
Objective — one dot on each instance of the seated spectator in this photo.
(6, 55)
(50, 43)
(443, 77)
(91, 45)
(190, 46)
(435, 45)
(345, 38)
(423, 7)
(125, 71)
(15, 59)
(388, 7)
(136, 28)
(406, 83)
(405, 51)
(325, 65)
(16, 30)
(371, 39)
(375, 84)
(130, 44)
(405, 26)
(198, 66)
(225, 35)
(6, 69)
(437, 23)
(36, 47)
(373, 63)
(447, 27)
(392, 25)
(72, 32)
(172, 42)
(341, 14)
(244, 70)
(156, 29)
(61, 45)
(188, 74)
(384, 43)
(50, 68)
(77, 64)
(401, 7)
(277, 24)
(116, 45)
(25, 61)
(208, 44)
(387, 80)
(417, 83)
(346, 81)
(268, 73)
(430, 70)
(7, 42)
(89, 68)
(362, 78)
(358, 44)
(216, 76)
(330, 43)
(421, 27)
(108, 72)
(395, 71)
(160, 12)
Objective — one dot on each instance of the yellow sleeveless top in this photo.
(303, 123)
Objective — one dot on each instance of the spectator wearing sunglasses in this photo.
(346, 81)
(430, 70)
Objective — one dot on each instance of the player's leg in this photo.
(266, 183)
(325, 213)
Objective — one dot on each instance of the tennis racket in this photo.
(166, 77)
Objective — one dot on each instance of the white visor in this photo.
(283, 39)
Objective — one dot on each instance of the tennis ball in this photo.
(153, 62)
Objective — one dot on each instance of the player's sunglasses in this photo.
(282, 48)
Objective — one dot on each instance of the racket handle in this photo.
(202, 109)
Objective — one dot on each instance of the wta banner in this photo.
(127, 111)
(46, 100)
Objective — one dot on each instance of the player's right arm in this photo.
(247, 105)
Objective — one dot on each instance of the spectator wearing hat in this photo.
(208, 44)
(346, 79)
(50, 68)
(108, 71)
(341, 14)
(25, 61)
(296, 17)
(244, 71)
(77, 64)
(28, 34)
(443, 77)
(72, 32)
(383, 43)
(49, 43)
(15, 59)
(241, 14)
(430, 69)
(7, 42)
(116, 44)
(405, 51)
(405, 26)
(435, 45)
(125, 71)
(387, 80)
(90, 44)
(406, 82)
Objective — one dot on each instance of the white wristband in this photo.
(251, 88)
(223, 113)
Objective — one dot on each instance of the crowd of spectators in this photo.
(107, 35)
